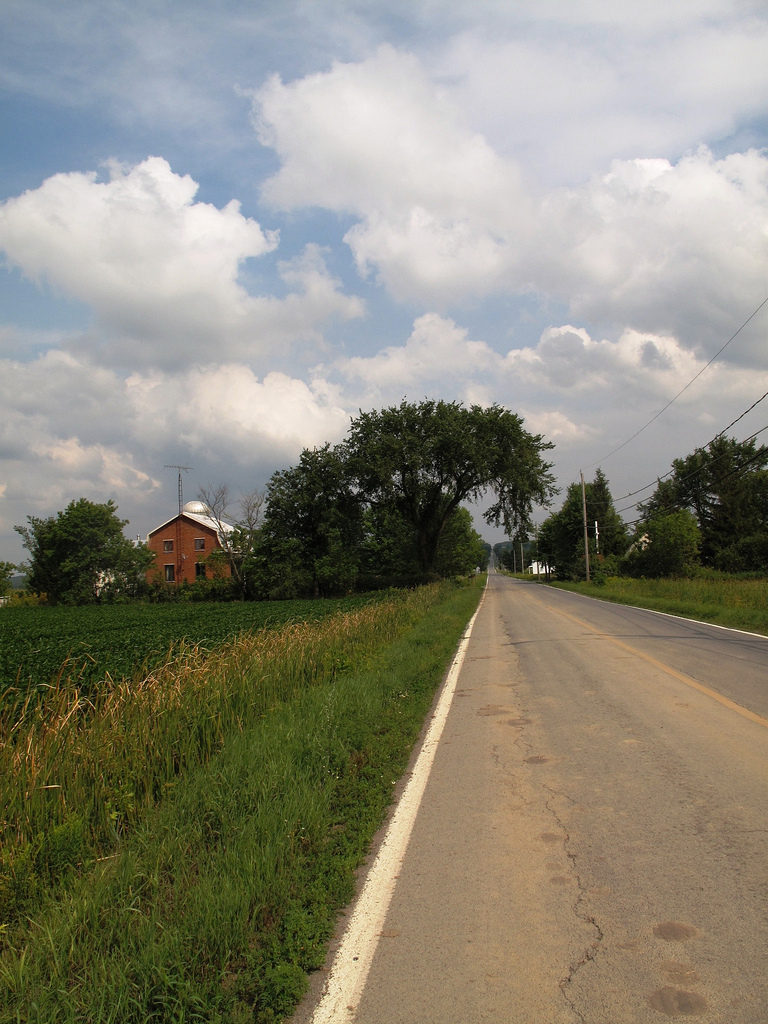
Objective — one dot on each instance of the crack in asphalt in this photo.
(578, 907)
(579, 904)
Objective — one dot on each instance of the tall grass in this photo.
(738, 602)
(221, 899)
(78, 768)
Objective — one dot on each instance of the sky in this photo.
(225, 228)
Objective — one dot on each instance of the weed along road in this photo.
(592, 841)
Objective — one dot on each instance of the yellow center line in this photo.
(681, 676)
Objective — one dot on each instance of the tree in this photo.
(312, 531)
(461, 548)
(7, 570)
(666, 545)
(561, 538)
(390, 554)
(423, 460)
(500, 551)
(80, 555)
(725, 486)
(237, 545)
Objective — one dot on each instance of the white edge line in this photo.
(655, 611)
(349, 971)
(699, 622)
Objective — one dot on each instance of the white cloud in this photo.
(58, 395)
(665, 247)
(377, 139)
(91, 466)
(437, 350)
(376, 133)
(639, 368)
(567, 88)
(571, 385)
(160, 270)
(70, 428)
(133, 246)
(566, 359)
(654, 245)
(64, 433)
(65, 409)
(536, 149)
(226, 412)
(558, 427)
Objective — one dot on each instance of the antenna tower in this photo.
(181, 469)
(179, 571)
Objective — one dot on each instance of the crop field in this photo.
(87, 644)
(176, 846)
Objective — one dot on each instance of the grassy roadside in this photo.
(725, 601)
(219, 902)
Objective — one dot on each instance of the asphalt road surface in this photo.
(592, 844)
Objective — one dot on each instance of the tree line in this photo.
(382, 508)
(710, 510)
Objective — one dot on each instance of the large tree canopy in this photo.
(390, 551)
(312, 527)
(424, 459)
(725, 486)
(80, 554)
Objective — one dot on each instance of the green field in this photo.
(178, 850)
(87, 643)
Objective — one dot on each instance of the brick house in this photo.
(182, 545)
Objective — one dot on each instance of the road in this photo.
(592, 843)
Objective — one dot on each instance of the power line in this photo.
(726, 476)
(733, 422)
(696, 472)
(720, 433)
(682, 390)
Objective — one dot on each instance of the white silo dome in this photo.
(197, 508)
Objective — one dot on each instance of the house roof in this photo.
(197, 517)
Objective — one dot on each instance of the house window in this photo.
(170, 574)
(200, 570)
(167, 545)
(199, 543)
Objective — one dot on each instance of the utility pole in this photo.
(584, 507)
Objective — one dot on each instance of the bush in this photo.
(665, 546)
(603, 568)
(747, 554)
